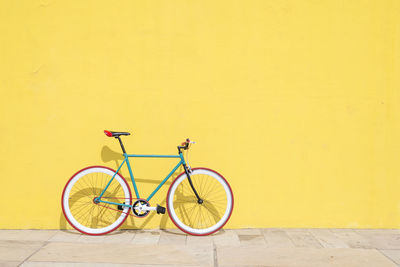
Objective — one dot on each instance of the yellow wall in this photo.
(295, 102)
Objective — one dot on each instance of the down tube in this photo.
(163, 182)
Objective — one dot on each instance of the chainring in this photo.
(136, 208)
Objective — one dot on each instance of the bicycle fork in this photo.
(199, 200)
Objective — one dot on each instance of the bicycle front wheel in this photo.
(200, 218)
(80, 209)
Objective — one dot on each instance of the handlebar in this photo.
(185, 145)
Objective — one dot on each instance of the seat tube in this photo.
(131, 174)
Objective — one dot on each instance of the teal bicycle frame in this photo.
(126, 159)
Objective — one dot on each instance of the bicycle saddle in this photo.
(115, 134)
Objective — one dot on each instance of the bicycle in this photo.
(97, 200)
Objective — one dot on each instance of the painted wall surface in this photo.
(296, 103)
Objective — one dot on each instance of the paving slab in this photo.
(123, 253)
(377, 231)
(277, 238)
(65, 236)
(250, 231)
(393, 254)
(91, 238)
(12, 234)
(146, 237)
(121, 237)
(18, 250)
(327, 239)
(341, 230)
(351, 238)
(199, 240)
(303, 238)
(97, 264)
(301, 257)
(70, 264)
(10, 263)
(252, 240)
(226, 238)
(380, 238)
(172, 237)
(27, 235)
(384, 241)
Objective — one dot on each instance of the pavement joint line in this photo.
(263, 235)
(387, 257)
(36, 251)
(319, 242)
(215, 255)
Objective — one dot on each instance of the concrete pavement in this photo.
(242, 247)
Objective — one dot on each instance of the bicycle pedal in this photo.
(120, 207)
(160, 209)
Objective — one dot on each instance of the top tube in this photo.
(152, 156)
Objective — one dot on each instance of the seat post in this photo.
(122, 146)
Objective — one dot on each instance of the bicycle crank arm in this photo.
(149, 208)
(159, 209)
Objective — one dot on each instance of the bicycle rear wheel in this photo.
(195, 218)
(83, 213)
